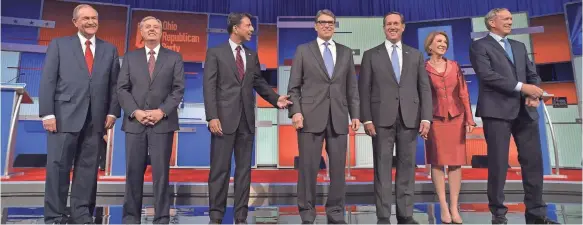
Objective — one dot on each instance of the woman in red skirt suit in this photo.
(452, 118)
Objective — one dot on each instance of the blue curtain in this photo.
(413, 10)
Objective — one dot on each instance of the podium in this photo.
(13, 94)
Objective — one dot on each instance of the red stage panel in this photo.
(261, 103)
(112, 22)
(566, 89)
(184, 33)
(552, 45)
(267, 45)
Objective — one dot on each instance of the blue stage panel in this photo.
(29, 9)
(289, 39)
(194, 146)
(7, 98)
(218, 22)
(193, 92)
(573, 14)
(118, 154)
(31, 138)
(460, 32)
(30, 71)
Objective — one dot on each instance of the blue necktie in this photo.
(508, 49)
(395, 62)
(328, 61)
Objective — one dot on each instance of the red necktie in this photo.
(151, 63)
(88, 56)
(240, 66)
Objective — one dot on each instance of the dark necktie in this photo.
(240, 66)
(151, 63)
(88, 56)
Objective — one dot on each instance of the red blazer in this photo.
(449, 92)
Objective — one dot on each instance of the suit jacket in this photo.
(164, 91)
(449, 91)
(316, 95)
(225, 95)
(68, 92)
(381, 96)
(498, 77)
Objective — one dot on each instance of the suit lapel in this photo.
(249, 62)
(406, 62)
(339, 58)
(78, 52)
(315, 49)
(228, 52)
(160, 60)
(143, 63)
(497, 45)
(98, 56)
(386, 60)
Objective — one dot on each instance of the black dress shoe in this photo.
(215, 222)
(407, 220)
(241, 221)
(307, 222)
(336, 222)
(499, 220)
(383, 221)
(540, 220)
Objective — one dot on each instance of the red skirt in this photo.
(446, 142)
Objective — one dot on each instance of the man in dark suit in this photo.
(77, 102)
(323, 85)
(150, 87)
(507, 101)
(396, 106)
(231, 72)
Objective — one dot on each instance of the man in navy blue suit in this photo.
(77, 103)
(507, 102)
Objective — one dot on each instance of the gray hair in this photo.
(150, 18)
(324, 12)
(79, 7)
(491, 14)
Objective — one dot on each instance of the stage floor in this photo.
(283, 210)
(283, 183)
(188, 175)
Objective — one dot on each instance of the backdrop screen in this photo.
(184, 33)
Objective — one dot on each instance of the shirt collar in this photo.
(389, 44)
(234, 45)
(321, 42)
(156, 49)
(496, 37)
(83, 39)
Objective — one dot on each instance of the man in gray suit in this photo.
(507, 102)
(323, 82)
(150, 87)
(77, 102)
(396, 106)
(231, 72)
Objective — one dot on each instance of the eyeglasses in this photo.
(324, 23)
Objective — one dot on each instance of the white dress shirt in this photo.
(234, 49)
(156, 51)
(498, 39)
(331, 46)
(92, 47)
(389, 46)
